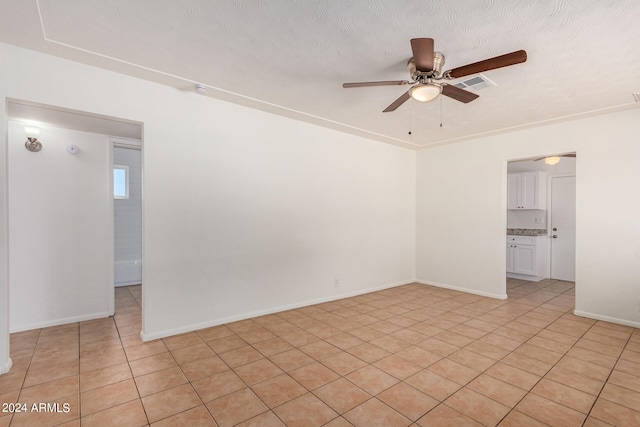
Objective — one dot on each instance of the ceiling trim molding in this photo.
(608, 110)
(217, 47)
(236, 98)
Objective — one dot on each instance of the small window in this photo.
(120, 182)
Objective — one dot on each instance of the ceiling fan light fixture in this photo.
(425, 92)
(552, 160)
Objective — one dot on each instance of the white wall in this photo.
(265, 213)
(59, 229)
(5, 360)
(461, 208)
(244, 212)
(608, 213)
(128, 212)
(460, 218)
(527, 218)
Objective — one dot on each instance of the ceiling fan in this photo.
(425, 69)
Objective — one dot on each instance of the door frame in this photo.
(550, 177)
(505, 172)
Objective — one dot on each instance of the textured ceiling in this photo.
(291, 57)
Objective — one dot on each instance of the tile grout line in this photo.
(499, 360)
(446, 357)
(26, 373)
(354, 314)
(545, 374)
(129, 365)
(511, 351)
(606, 381)
(565, 354)
(477, 339)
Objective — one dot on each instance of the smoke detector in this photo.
(200, 88)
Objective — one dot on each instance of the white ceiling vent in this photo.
(476, 83)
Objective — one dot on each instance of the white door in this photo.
(563, 228)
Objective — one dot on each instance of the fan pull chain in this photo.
(440, 110)
(410, 117)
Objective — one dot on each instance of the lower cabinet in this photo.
(527, 257)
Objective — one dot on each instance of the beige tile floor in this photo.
(411, 355)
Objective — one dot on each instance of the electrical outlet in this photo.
(336, 283)
(539, 220)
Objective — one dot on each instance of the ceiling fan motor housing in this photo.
(420, 76)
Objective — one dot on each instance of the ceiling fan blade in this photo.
(384, 83)
(458, 94)
(398, 102)
(489, 64)
(422, 54)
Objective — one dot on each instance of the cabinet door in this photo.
(513, 191)
(524, 259)
(529, 191)
(509, 258)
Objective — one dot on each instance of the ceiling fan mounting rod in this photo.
(424, 79)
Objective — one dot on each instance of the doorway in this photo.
(127, 212)
(562, 227)
(554, 207)
(60, 203)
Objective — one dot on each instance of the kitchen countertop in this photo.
(526, 232)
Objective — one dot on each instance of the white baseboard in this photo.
(461, 289)
(169, 332)
(624, 322)
(526, 277)
(56, 322)
(131, 283)
(5, 367)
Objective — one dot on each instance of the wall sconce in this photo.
(32, 143)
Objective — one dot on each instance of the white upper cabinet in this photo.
(526, 190)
